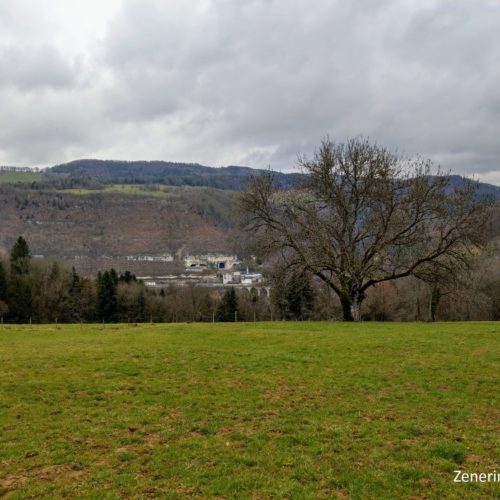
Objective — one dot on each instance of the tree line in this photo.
(43, 291)
(366, 235)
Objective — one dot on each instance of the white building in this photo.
(238, 278)
(231, 278)
(166, 257)
(251, 278)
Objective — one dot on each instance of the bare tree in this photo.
(364, 215)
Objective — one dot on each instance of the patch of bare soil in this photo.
(52, 473)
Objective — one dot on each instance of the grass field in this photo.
(25, 177)
(264, 410)
(129, 189)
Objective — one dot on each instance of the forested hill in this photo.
(235, 178)
(161, 172)
(484, 189)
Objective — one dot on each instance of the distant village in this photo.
(211, 269)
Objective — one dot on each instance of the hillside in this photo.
(160, 172)
(97, 214)
(85, 172)
(94, 229)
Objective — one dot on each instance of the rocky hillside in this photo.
(94, 229)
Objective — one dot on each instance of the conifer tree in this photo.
(107, 298)
(292, 295)
(3, 282)
(228, 308)
(299, 297)
(19, 290)
(20, 257)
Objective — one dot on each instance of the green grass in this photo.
(24, 177)
(129, 189)
(264, 410)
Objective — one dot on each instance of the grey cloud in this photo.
(30, 67)
(254, 70)
(259, 81)
(272, 77)
(39, 128)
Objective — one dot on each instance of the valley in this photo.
(94, 214)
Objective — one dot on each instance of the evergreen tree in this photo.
(228, 308)
(19, 290)
(299, 297)
(20, 303)
(75, 285)
(107, 298)
(127, 277)
(113, 276)
(141, 305)
(20, 256)
(75, 294)
(4, 308)
(292, 295)
(3, 282)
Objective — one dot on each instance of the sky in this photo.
(249, 82)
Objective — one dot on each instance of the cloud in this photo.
(30, 68)
(258, 81)
(48, 124)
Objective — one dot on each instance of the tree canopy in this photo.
(365, 215)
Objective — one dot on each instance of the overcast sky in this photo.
(249, 82)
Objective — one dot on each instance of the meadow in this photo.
(155, 190)
(261, 410)
(23, 177)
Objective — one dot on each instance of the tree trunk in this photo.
(347, 309)
(356, 310)
(434, 302)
